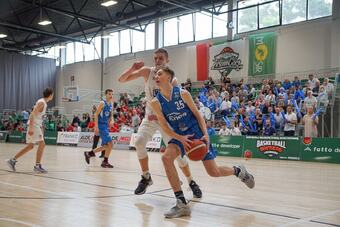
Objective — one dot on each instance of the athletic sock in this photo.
(236, 171)
(146, 174)
(106, 159)
(189, 179)
(92, 154)
(180, 195)
(95, 142)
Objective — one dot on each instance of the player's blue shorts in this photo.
(197, 135)
(104, 134)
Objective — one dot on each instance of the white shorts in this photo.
(37, 135)
(148, 128)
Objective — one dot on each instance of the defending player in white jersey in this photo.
(150, 124)
(35, 133)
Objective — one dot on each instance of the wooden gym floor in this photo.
(287, 193)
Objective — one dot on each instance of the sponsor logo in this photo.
(307, 149)
(307, 140)
(271, 148)
(226, 61)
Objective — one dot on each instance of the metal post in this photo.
(332, 120)
(102, 66)
(323, 125)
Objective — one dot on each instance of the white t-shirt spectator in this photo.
(224, 132)
(312, 82)
(310, 102)
(235, 131)
(225, 105)
(310, 127)
(329, 88)
(224, 94)
(290, 117)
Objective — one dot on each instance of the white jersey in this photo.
(150, 90)
(38, 119)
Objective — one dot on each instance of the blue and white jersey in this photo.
(105, 114)
(176, 112)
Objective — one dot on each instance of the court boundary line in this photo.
(19, 222)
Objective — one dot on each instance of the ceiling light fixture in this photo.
(2, 36)
(45, 22)
(108, 3)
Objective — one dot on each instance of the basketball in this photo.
(247, 154)
(197, 151)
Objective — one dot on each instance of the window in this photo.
(220, 23)
(247, 18)
(69, 53)
(114, 44)
(79, 55)
(319, 8)
(138, 41)
(88, 52)
(125, 44)
(186, 33)
(150, 37)
(293, 11)
(203, 26)
(97, 47)
(170, 32)
(269, 14)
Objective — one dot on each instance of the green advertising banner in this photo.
(320, 149)
(273, 147)
(17, 137)
(3, 136)
(50, 137)
(262, 52)
(228, 145)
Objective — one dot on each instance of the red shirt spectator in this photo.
(69, 128)
(91, 124)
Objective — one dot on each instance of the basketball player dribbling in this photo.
(150, 123)
(35, 133)
(175, 107)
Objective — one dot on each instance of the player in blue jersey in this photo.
(180, 119)
(103, 117)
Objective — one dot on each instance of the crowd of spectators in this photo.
(270, 108)
(273, 108)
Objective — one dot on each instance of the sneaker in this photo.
(87, 157)
(106, 165)
(195, 189)
(143, 185)
(179, 210)
(11, 163)
(39, 169)
(246, 177)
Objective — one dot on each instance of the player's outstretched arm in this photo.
(164, 125)
(186, 96)
(137, 70)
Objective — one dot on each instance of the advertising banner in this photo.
(228, 145)
(320, 149)
(17, 137)
(273, 147)
(85, 139)
(50, 137)
(3, 136)
(68, 137)
(155, 143)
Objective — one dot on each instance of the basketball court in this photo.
(287, 193)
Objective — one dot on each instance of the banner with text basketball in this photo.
(262, 52)
(272, 147)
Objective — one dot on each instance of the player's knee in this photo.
(167, 158)
(30, 146)
(182, 161)
(42, 144)
(140, 145)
